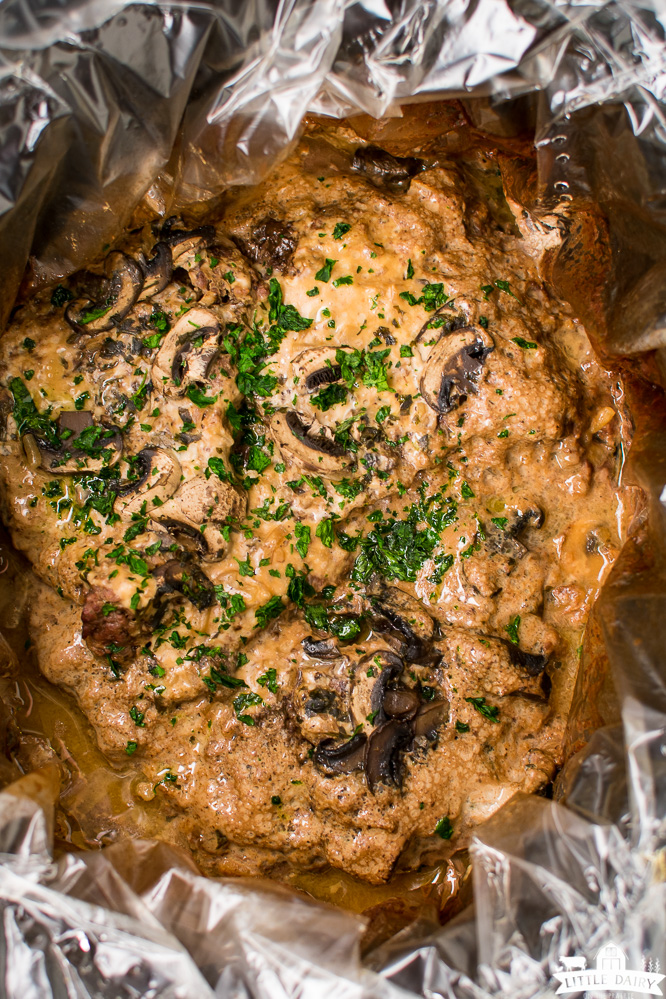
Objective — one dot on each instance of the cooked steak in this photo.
(319, 495)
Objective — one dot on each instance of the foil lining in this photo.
(105, 103)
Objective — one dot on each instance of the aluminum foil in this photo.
(108, 108)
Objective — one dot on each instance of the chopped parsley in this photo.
(324, 273)
(525, 344)
(244, 701)
(341, 229)
(398, 549)
(200, 398)
(28, 418)
(347, 279)
(433, 297)
(325, 532)
(269, 680)
(348, 488)
(489, 711)
(137, 716)
(345, 627)
(216, 467)
(512, 629)
(60, 296)
(332, 395)
(302, 533)
(444, 829)
(268, 611)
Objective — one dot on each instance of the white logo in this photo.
(610, 975)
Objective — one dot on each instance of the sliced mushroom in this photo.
(341, 758)
(390, 667)
(186, 579)
(324, 648)
(394, 173)
(383, 752)
(157, 271)
(195, 513)
(429, 718)
(533, 663)
(321, 701)
(124, 286)
(314, 451)
(375, 673)
(101, 448)
(386, 335)
(520, 520)
(187, 352)
(451, 323)
(401, 703)
(316, 367)
(159, 475)
(453, 368)
(405, 616)
(184, 241)
(272, 243)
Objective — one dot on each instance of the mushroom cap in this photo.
(159, 477)
(382, 762)
(315, 452)
(195, 511)
(405, 618)
(454, 366)
(384, 170)
(157, 270)
(316, 367)
(342, 757)
(181, 360)
(185, 578)
(102, 451)
(123, 288)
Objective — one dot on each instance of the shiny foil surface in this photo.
(106, 104)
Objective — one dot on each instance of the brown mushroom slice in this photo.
(313, 451)
(195, 513)
(159, 475)
(533, 663)
(156, 271)
(383, 752)
(100, 448)
(429, 718)
(186, 241)
(124, 286)
(321, 648)
(341, 758)
(187, 352)
(406, 616)
(454, 366)
(373, 675)
(394, 173)
(184, 578)
(401, 703)
(315, 368)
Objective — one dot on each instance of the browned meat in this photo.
(341, 494)
(108, 629)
